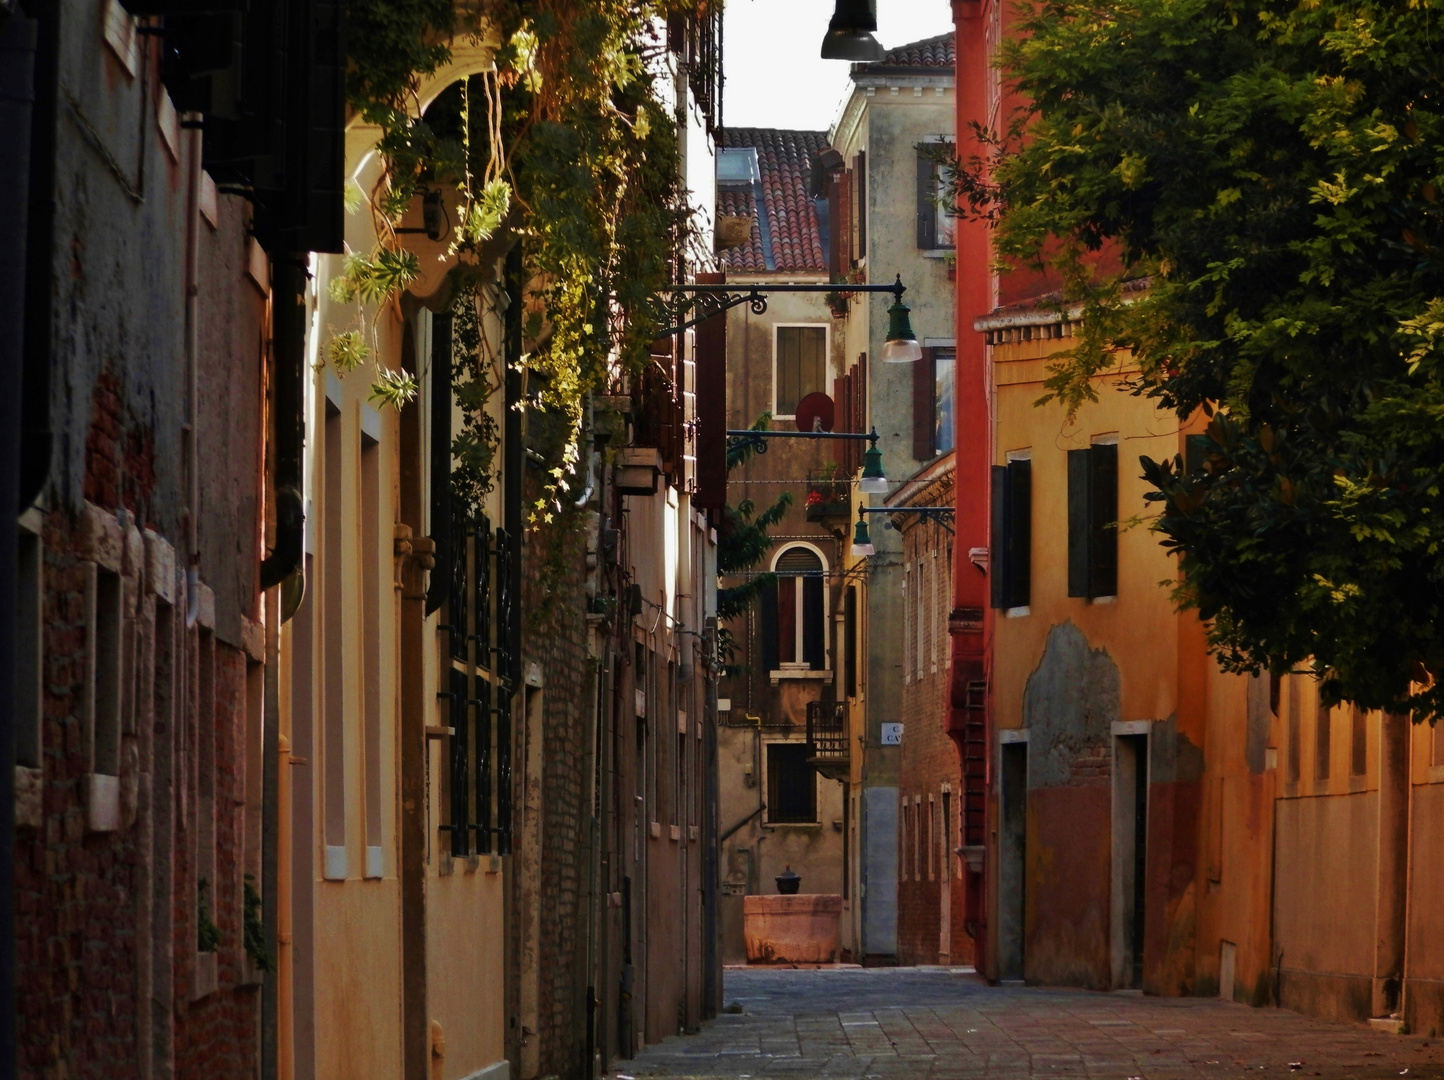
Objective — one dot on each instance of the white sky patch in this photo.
(775, 77)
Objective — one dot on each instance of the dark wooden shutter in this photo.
(1020, 532)
(711, 351)
(924, 389)
(927, 214)
(1078, 531)
(1103, 521)
(439, 586)
(768, 628)
(843, 222)
(998, 551)
(849, 641)
(1193, 450)
(859, 169)
(814, 624)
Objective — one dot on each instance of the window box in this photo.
(827, 498)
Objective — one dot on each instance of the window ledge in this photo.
(1018, 612)
(936, 253)
(1103, 600)
(1436, 774)
(800, 673)
(815, 826)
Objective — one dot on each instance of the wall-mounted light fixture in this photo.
(862, 545)
(850, 33)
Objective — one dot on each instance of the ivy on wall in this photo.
(566, 148)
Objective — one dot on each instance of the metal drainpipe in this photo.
(17, 56)
(191, 452)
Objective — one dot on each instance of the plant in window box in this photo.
(827, 494)
(840, 300)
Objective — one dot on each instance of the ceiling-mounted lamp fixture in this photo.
(850, 33)
(873, 480)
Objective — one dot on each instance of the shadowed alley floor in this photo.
(941, 1024)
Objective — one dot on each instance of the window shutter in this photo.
(859, 170)
(998, 549)
(1103, 517)
(927, 214)
(1193, 450)
(768, 627)
(849, 642)
(923, 390)
(814, 624)
(1020, 532)
(844, 222)
(1078, 531)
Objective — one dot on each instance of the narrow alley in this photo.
(937, 1023)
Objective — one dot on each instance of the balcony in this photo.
(827, 497)
(827, 739)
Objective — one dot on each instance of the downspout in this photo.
(38, 256)
(190, 452)
(288, 349)
(17, 55)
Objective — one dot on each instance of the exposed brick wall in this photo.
(81, 949)
(929, 760)
(555, 637)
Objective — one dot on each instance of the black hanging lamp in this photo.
(850, 33)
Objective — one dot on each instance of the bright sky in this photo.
(775, 77)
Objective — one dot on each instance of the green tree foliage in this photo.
(742, 543)
(1244, 195)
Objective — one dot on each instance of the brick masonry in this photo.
(929, 773)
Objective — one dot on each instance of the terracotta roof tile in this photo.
(784, 160)
(934, 52)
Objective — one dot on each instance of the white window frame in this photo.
(801, 665)
(826, 359)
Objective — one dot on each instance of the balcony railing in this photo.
(827, 738)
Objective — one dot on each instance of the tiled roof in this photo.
(934, 52)
(784, 159)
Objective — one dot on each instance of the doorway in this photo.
(1130, 854)
(1012, 860)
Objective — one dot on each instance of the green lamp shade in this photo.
(902, 345)
(862, 540)
(873, 480)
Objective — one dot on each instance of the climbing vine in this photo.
(566, 148)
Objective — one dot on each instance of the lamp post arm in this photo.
(709, 300)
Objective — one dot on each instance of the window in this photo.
(106, 674)
(799, 366)
(905, 829)
(1358, 742)
(371, 599)
(333, 579)
(908, 659)
(791, 785)
(933, 396)
(947, 832)
(930, 832)
(935, 224)
(793, 624)
(849, 643)
(1092, 521)
(1295, 767)
(28, 655)
(1322, 732)
(1011, 555)
(859, 200)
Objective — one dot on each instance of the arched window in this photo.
(794, 622)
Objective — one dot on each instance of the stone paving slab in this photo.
(947, 1024)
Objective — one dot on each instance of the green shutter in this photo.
(1020, 532)
(927, 213)
(1103, 521)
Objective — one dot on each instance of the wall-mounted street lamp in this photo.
(862, 538)
(873, 480)
(687, 305)
(850, 33)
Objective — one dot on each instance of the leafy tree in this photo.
(1244, 196)
(742, 543)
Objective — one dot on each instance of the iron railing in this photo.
(827, 731)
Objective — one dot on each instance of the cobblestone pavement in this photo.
(940, 1024)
